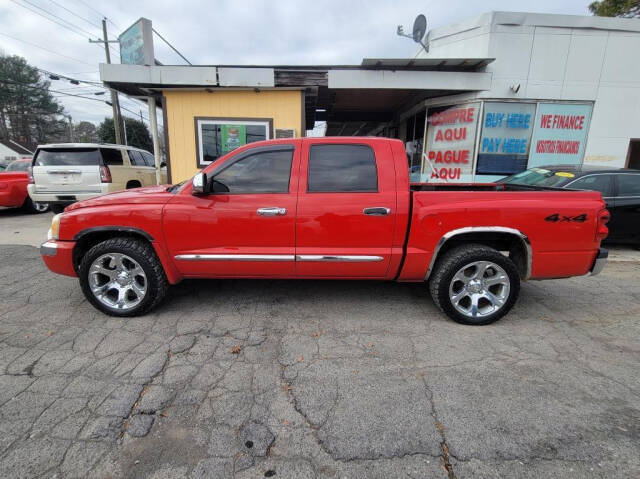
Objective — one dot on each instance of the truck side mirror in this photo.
(199, 184)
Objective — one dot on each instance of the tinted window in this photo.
(135, 158)
(111, 156)
(148, 158)
(340, 168)
(18, 166)
(601, 183)
(628, 185)
(68, 157)
(265, 172)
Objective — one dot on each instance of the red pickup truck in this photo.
(331, 208)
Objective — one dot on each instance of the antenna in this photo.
(419, 30)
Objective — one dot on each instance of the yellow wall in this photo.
(284, 106)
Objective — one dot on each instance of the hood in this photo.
(149, 195)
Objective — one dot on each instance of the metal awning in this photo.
(427, 64)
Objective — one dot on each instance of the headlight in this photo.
(55, 227)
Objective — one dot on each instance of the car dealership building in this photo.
(494, 95)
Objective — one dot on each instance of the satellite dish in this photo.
(419, 28)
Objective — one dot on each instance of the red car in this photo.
(13, 187)
(330, 208)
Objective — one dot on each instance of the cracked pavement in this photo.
(284, 379)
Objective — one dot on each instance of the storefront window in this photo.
(450, 141)
(560, 134)
(217, 137)
(506, 135)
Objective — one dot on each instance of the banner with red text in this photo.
(559, 134)
(450, 141)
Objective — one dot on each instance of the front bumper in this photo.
(58, 256)
(600, 261)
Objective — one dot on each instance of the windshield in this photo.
(540, 177)
(68, 157)
(19, 165)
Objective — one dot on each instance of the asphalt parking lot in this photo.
(286, 379)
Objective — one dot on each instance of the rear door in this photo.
(67, 170)
(625, 216)
(346, 209)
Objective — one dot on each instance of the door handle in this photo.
(377, 211)
(272, 211)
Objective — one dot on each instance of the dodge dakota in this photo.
(330, 208)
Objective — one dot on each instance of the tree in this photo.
(28, 111)
(85, 132)
(137, 133)
(616, 8)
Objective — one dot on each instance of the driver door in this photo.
(244, 226)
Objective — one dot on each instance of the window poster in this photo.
(450, 141)
(233, 136)
(505, 141)
(559, 134)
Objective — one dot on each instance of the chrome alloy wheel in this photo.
(117, 281)
(41, 207)
(479, 289)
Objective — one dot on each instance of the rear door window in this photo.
(67, 157)
(111, 156)
(601, 183)
(136, 158)
(628, 185)
(342, 168)
(149, 159)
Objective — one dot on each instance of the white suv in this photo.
(68, 172)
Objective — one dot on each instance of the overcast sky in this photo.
(213, 32)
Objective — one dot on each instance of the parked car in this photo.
(620, 189)
(330, 208)
(69, 172)
(13, 187)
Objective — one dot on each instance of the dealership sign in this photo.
(451, 135)
(560, 134)
(136, 44)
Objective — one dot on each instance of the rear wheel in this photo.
(33, 207)
(123, 277)
(475, 284)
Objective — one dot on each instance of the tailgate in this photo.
(72, 170)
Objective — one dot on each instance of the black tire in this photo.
(142, 252)
(133, 184)
(57, 208)
(452, 262)
(35, 208)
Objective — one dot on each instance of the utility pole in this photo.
(117, 125)
(70, 129)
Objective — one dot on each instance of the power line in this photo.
(71, 29)
(101, 14)
(50, 19)
(26, 85)
(47, 50)
(75, 14)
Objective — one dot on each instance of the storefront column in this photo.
(154, 136)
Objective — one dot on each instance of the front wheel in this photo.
(123, 277)
(475, 284)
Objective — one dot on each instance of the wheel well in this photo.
(515, 246)
(89, 240)
(133, 184)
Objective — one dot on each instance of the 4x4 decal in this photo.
(554, 218)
